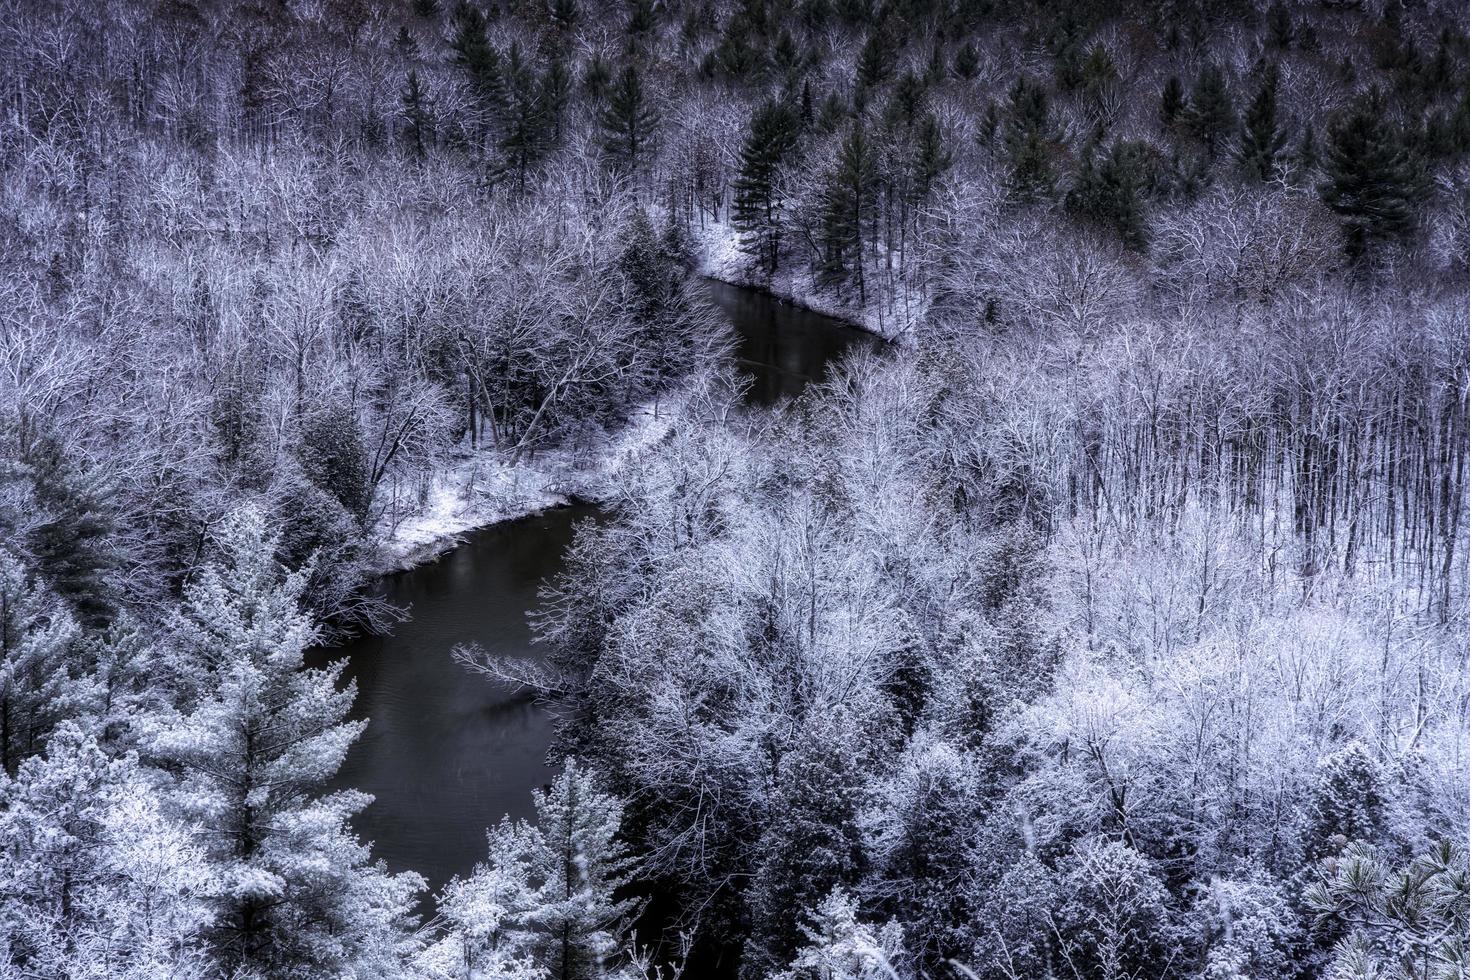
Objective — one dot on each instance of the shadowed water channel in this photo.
(447, 753)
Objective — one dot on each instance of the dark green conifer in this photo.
(479, 60)
(564, 13)
(596, 76)
(1171, 103)
(849, 211)
(1261, 138)
(931, 158)
(1028, 141)
(1280, 30)
(1374, 183)
(628, 122)
(874, 61)
(641, 17)
(757, 200)
(1111, 189)
(1211, 116)
(415, 103)
(526, 124)
(966, 62)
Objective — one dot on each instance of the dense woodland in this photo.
(1110, 623)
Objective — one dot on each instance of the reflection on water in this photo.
(446, 753)
(782, 347)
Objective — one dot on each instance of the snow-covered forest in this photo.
(1110, 621)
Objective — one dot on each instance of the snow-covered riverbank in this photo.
(480, 488)
(891, 312)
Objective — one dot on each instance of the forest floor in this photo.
(891, 311)
(480, 487)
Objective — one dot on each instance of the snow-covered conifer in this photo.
(252, 746)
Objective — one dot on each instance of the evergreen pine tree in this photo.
(488, 919)
(1111, 188)
(581, 863)
(628, 122)
(564, 13)
(525, 130)
(967, 62)
(931, 158)
(71, 528)
(407, 46)
(1211, 116)
(1408, 922)
(849, 209)
(1280, 30)
(1373, 181)
(596, 77)
(786, 56)
(556, 91)
(1028, 137)
(480, 61)
(37, 636)
(756, 210)
(811, 843)
(96, 881)
(333, 457)
(935, 73)
(907, 102)
(1349, 803)
(645, 274)
(252, 743)
(874, 60)
(641, 18)
(1171, 103)
(833, 113)
(839, 946)
(1307, 155)
(1261, 139)
(415, 102)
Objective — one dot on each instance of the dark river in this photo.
(447, 753)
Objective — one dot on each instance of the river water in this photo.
(447, 753)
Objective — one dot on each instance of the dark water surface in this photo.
(447, 753)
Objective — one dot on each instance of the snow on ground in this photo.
(480, 487)
(889, 313)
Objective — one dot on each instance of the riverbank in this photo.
(891, 313)
(480, 488)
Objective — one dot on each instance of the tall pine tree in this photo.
(1261, 138)
(480, 61)
(1211, 115)
(1373, 184)
(1111, 189)
(415, 102)
(252, 743)
(37, 635)
(757, 201)
(526, 124)
(581, 863)
(931, 158)
(1028, 137)
(849, 210)
(628, 122)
